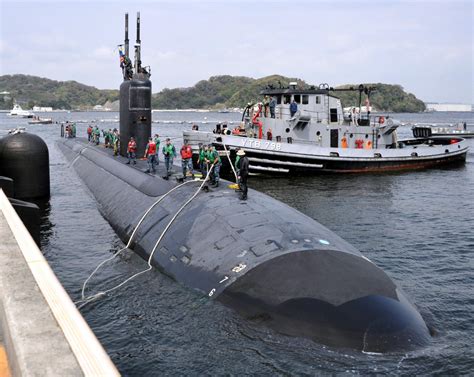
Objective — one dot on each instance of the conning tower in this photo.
(135, 96)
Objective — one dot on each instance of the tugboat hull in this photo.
(297, 158)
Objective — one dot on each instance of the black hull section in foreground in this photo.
(261, 257)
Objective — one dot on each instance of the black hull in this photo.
(273, 164)
(261, 257)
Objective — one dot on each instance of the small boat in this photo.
(19, 112)
(427, 130)
(319, 138)
(38, 120)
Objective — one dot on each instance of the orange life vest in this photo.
(186, 152)
(151, 148)
(132, 146)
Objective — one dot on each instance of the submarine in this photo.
(266, 260)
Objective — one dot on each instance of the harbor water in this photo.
(417, 226)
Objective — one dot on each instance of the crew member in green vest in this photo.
(157, 141)
(169, 151)
(215, 159)
(97, 135)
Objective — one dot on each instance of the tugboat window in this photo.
(278, 98)
(286, 99)
(318, 133)
(305, 100)
(333, 113)
(297, 98)
(318, 99)
(287, 130)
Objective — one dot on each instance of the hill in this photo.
(386, 98)
(233, 91)
(216, 93)
(37, 91)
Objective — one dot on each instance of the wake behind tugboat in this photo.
(306, 131)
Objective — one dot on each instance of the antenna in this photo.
(138, 61)
(126, 36)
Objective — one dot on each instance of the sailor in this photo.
(157, 141)
(115, 141)
(272, 107)
(150, 152)
(169, 151)
(207, 154)
(293, 108)
(96, 135)
(243, 173)
(106, 136)
(131, 151)
(269, 134)
(202, 158)
(354, 117)
(266, 104)
(215, 159)
(187, 159)
(89, 133)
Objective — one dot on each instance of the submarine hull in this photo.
(261, 257)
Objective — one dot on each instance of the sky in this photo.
(425, 46)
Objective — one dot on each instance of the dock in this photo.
(41, 331)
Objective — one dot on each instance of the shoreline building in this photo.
(447, 107)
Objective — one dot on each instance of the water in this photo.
(418, 227)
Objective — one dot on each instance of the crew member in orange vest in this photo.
(150, 152)
(131, 151)
(187, 159)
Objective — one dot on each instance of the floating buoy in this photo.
(24, 157)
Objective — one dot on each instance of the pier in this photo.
(41, 330)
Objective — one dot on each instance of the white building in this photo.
(42, 109)
(448, 107)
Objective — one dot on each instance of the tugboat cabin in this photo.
(317, 118)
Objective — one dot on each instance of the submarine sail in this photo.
(135, 97)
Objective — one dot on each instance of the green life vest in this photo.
(168, 150)
(202, 155)
(215, 155)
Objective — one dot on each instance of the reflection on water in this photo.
(417, 226)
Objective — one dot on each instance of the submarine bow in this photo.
(261, 257)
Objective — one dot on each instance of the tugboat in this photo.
(320, 138)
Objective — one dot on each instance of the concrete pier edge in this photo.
(43, 332)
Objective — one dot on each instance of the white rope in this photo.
(227, 153)
(91, 298)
